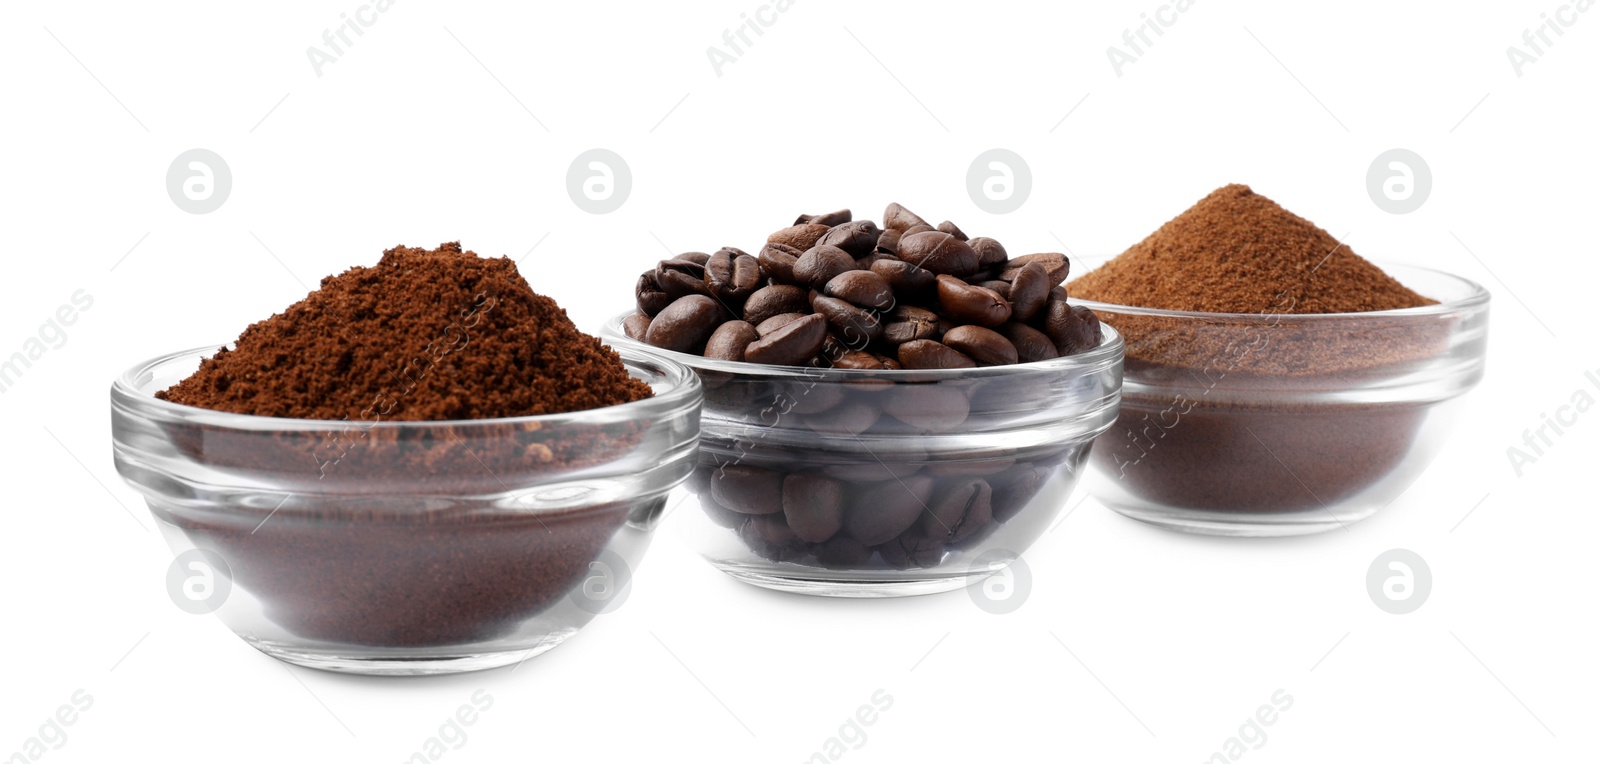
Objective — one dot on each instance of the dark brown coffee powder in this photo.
(394, 530)
(424, 335)
(1215, 416)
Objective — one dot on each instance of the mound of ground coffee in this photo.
(1236, 251)
(400, 527)
(423, 335)
(1216, 414)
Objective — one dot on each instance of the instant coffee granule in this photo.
(395, 533)
(1204, 438)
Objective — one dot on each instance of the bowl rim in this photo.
(681, 392)
(1476, 297)
(1110, 350)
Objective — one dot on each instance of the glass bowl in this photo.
(1277, 424)
(389, 547)
(859, 483)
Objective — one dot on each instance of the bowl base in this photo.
(1244, 524)
(352, 660)
(858, 584)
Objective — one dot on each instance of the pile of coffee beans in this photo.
(835, 292)
(895, 513)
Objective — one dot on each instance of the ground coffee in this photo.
(392, 532)
(1209, 418)
(423, 335)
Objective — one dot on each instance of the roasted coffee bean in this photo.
(842, 552)
(918, 228)
(732, 275)
(938, 252)
(648, 295)
(881, 512)
(960, 511)
(699, 258)
(778, 261)
(1014, 488)
(1073, 328)
(856, 237)
(827, 218)
(900, 218)
(858, 359)
(934, 407)
(888, 242)
(950, 228)
(1085, 332)
(728, 342)
(970, 304)
(1031, 344)
(747, 489)
(773, 300)
(863, 289)
(848, 418)
(801, 237)
(813, 505)
(686, 324)
(912, 549)
(990, 253)
(907, 323)
(1030, 289)
(721, 515)
(865, 263)
(773, 324)
(681, 277)
(771, 538)
(1002, 288)
(821, 263)
(1055, 265)
(635, 326)
(985, 346)
(928, 354)
(854, 327)
(791, 344)
(908, 281)
(809, 399)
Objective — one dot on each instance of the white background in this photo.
(1134, 644)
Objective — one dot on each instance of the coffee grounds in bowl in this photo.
(1205, 436)
(408, 535)
(1236, 251)
(423, 335)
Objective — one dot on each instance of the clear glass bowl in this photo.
(1279, 424)
(408, 547)
(858, 483)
